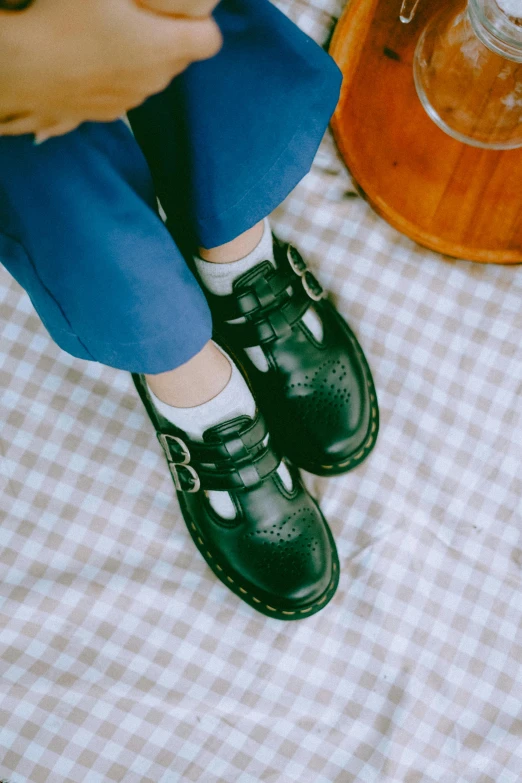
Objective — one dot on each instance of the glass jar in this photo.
(468, 73)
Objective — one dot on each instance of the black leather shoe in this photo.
(318, 397)
(278, 554)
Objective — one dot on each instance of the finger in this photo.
(111, 107)
(18, 124)
(191, 8)
(153, 89)
(59, 129)
(130, 91)
(202, 38)
(161, 82)
(116, 101)
(193, 39)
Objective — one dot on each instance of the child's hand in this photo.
(63, 62)
(192, 8)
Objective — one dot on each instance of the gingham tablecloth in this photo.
(122, 657)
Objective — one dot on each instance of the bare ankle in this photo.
(238, 248)
(195, 382)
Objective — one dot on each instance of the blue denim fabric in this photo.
(225, 144)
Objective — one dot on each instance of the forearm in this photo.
(66, 62)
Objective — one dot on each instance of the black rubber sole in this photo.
(247, 595)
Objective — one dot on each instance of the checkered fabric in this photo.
(122, 658)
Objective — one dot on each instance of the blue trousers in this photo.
(221, 147)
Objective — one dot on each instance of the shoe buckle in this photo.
(180, 470)
(164, 440)
(311, 285)
(179, 467)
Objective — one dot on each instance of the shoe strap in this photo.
(247, 441)
(240, 457)
(261, 288)
(271, 300)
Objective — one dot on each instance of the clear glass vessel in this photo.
(468, 74)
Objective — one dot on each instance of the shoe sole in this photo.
(247, 595)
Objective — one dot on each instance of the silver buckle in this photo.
(316, 296)
(164, 440)
(177, 466)
(299, 270)
(175, 470)
(304, 273)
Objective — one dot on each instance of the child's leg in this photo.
(240, 131)
(81, 234)
(79, 231)
(200, 379)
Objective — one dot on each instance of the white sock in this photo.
(219, 280)
(234, 400)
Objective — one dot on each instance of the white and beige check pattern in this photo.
(122, 658)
